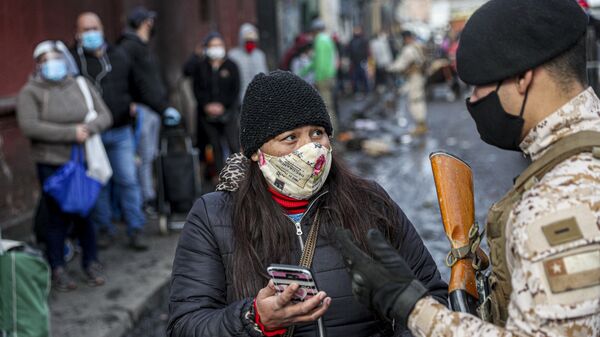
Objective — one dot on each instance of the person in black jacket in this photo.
(286, 182)
(134, 41)
(358, 50)
(216, 88)
(114, 76)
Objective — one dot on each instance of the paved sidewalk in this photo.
(136, 281)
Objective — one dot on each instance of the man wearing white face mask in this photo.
(216, 88)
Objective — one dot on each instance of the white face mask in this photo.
(215, 53)
(300, 174)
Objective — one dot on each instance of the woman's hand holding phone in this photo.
(278, 311)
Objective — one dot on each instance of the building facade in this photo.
(181, 24)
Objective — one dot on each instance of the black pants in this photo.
(223, 137)
(60, 224)
(381, 77)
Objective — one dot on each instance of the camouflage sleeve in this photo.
(430, 318)
(405, 59)
(554, 258)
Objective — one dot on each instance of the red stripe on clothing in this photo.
(291, 205)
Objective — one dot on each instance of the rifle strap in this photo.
(469, 250)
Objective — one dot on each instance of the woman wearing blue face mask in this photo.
(51, 110)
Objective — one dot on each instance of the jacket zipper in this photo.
(297, 224)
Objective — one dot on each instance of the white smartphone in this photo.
(285, 274)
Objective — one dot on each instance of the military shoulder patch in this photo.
(574, 271)
(562, 230)
(564, 249)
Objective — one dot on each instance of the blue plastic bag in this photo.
(71, 187)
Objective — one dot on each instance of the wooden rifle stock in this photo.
(454, 185)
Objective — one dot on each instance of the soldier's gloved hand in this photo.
(386, 283)
(172, 117)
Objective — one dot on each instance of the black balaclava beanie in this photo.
(277, 102)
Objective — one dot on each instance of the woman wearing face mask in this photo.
(287, 182)
(216, 87)
(51, 110)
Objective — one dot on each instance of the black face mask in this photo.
(495, 126)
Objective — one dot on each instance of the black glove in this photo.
(386, 283)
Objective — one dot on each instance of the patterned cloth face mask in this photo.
(300, 174)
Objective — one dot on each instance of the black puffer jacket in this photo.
(147, 71)
(201, 300)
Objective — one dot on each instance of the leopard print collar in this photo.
(233, 173)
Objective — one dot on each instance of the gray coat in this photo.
(48, 114)
(249, 65)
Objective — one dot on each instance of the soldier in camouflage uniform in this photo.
(544, 235)
(410, 63)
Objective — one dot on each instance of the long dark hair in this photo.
(263, 234)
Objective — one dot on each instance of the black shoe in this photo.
(150, 209)
(136, 243)
(104, 239)
(94, 275)
(61, 281)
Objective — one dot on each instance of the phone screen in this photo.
(284, 275)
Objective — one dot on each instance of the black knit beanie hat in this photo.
(279, 102)
(210, 36)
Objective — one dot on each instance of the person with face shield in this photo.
(249, 58)
(279, 201)
(51, 112)
(216, 83)
(530, 95)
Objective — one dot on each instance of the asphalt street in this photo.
(406, 172)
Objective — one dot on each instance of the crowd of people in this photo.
(401, 62)
(129, 106)
(284, 196)
(131, 100)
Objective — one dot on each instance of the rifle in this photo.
(467, 289)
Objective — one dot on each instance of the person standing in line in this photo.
(216, 88)
(249, 58)
(410, 63)
(51, 110)
(113, 74)
(141, 25)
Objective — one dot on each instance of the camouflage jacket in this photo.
(556, 285)
(410, 61)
